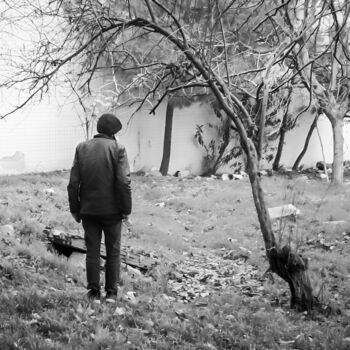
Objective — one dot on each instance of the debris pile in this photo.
(200, 274)
(67, 243)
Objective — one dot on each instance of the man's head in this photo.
(108, 124)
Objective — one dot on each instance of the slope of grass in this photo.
(43, 304)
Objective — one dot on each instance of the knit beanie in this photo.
(108, 124)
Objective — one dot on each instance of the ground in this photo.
(209, 288)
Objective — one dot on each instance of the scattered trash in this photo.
(182, 173)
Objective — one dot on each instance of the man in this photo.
(99, 194)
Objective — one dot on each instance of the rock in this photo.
(283, 211)
(49, 191)
(7, 230)
(130, 298)
(237, 176)
(226, 177)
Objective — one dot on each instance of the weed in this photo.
(38, 252)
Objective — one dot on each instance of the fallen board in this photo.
(283, 211)
(66, 244)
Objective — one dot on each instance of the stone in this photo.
(120, 311)
(7, 230)
(49, 191)
(226, 177)
(130, 298)
(283, 211)
(237, 176)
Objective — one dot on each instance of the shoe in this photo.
(111, 297)
(94, 294)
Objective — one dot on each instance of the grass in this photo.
(189, 225)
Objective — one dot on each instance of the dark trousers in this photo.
(93, 227)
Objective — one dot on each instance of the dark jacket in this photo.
(99, 181)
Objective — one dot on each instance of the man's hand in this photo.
(126, 220)
(76, 217)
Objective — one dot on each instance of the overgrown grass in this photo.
(43, 304)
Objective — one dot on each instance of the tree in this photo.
(172, 103)
(318, 33)
(219, 53)
(306, 144)
(169, 114)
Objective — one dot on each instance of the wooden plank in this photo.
(66, 243)
(283, 211)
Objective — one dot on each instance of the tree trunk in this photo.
(338, 156)
(306, 144)
(283, 131)
(276, 162)
(287, 264)
(223, 146)
(164, 167)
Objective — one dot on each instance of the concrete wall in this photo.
(39, 138)
(143, 138)
(294, 143)
(44, 137)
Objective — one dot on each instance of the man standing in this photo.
(99, 194)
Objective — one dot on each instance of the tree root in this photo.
(292, 268)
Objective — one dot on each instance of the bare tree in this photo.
(317, 35)
(160, 48)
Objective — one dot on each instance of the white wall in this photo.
(45, 134)
(143, 138)
(295, 139)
